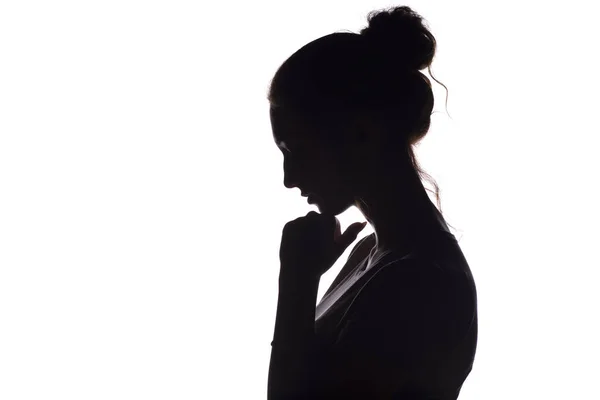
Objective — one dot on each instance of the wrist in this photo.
(296, 277)
(296, 307)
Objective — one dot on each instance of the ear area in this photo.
(367, 136)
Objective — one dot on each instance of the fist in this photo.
(311, 244)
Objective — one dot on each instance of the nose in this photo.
(288, 183)
(289, 176)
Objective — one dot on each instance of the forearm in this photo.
(293, 340)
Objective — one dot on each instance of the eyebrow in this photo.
(283, 145)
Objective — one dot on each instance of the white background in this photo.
(142, 197)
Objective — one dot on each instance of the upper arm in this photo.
(395, 326)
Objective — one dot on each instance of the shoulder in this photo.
(411, 285)
(403, 302)
(409, 273)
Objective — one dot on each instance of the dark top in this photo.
(406, 324)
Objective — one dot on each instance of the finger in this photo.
(337, 233)
(357, 227)
(351, 233)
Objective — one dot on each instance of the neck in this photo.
(402, 216)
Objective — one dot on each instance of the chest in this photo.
(331, 311)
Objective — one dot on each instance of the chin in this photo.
(332, 206)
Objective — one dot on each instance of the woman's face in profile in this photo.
(309, 166)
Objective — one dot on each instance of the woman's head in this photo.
(347, 108)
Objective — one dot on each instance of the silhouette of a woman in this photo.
(400, 319)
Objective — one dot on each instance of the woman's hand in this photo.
(310, 245)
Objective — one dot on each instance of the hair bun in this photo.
(399, 35)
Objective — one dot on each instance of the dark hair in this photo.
(374, 72)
